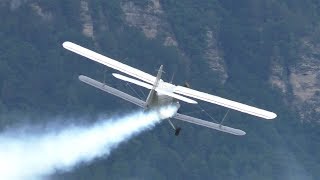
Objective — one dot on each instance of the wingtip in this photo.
(272, 116)
(80, 77)
(115, 75)
(239, 132)
(194, 102)
(66, 44)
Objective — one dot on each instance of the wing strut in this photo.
(203, 110)
(104, 75)
(224, 117)
(176, 129)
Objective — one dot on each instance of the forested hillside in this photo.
(262, 53)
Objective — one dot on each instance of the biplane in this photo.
(163, 93)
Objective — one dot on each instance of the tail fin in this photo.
(156, 83)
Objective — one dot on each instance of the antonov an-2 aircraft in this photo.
(163, 93)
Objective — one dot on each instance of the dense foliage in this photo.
(37, 76)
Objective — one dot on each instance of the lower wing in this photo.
(208, 124)
(141, 103)
(112, 91)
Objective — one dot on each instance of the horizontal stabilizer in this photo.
(112, 91)
(159, 90)
(225, 102)
(208, 124)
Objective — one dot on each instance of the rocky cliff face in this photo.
(150, 20)
(304, 79)
(45, 15)
(279, 75)
(300, 80)
(214, 56)
(85, 16)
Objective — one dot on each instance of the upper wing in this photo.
(225, 102)
(208, 124)
(109, 62)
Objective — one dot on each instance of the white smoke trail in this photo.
(32, 156)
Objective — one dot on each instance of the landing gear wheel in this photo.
(177, 131)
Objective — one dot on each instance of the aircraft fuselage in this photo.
(157, 100)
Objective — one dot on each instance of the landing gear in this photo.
(176, 130)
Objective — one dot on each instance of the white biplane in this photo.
(163, 93)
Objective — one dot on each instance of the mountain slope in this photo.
(263, 53)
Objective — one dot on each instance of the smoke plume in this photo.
(36, 155)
